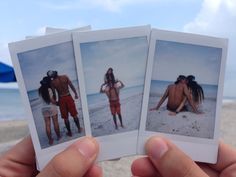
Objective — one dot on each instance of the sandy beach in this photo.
(12, 131)
(184, 123)
(40, 126)
(102, 120)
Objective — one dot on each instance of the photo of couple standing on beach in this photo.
(114, 74)
(183, 89)
(52, 86)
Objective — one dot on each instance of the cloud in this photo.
(217, 18)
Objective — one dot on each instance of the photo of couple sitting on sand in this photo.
(185, 94)
(54, 92)
(182, 98)
(184, 107)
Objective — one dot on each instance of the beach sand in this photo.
(40, 126)
(102, 120)
(184, 123)
(11, 131)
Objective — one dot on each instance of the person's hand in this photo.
(153, 109)
(76, 161)
(166, 160)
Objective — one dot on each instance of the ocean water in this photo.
(11, 105)
(159, 87)
(101, 98)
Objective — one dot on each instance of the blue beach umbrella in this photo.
(6, 73)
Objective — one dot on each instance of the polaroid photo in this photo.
(183, 92)
(52, 30)
(112, 66)
(47, 77)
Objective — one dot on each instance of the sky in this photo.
(35, 64)
(173, 59)
(126, 56)
(209, 17)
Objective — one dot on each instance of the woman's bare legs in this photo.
(48, 129)
(56, 126)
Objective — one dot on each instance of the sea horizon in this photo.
(12, 108)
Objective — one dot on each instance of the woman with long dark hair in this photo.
(109, 76)
(196, 94)
(49, 108)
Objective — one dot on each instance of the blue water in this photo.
(159, 87)
(101, 98)
(11, 106)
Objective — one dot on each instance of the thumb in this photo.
(170, 161)
(75, 161)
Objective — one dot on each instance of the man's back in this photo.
(176, 95)
(61, 84)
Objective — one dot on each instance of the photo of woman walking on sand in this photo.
(49, 109)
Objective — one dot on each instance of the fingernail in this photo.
(86, 147)
(156, 148)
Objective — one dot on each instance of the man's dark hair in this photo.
(52, 74)
(180, 77)
(197, 91)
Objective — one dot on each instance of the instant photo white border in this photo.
(199, 149)
(52, 30)
(120, 144)
(43, 155)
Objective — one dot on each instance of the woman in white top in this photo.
(49, 109)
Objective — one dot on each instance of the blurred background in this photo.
(30, 18)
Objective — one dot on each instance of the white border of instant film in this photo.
(52, 30)
(121, 144)
(199, 149)
(43, 155)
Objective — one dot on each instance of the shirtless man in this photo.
(66, 103)
(176, 93)
(112, 91)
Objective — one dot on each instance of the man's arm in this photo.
(72, 88)
(54, 95)
(181, 105)
(190, 100)
(163, 98)
(122, 85)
